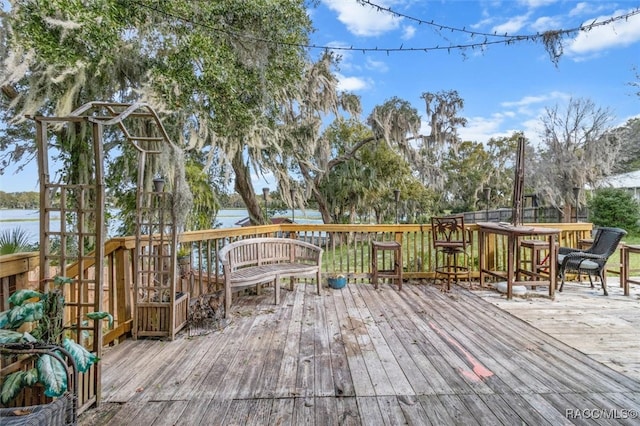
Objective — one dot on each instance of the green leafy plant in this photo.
(45, 312)
(15, 240)
(183, 251)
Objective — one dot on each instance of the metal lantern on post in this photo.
(158, 184)
(396, 195)
(576, 196)
(534, 204)
(265, 194)
(292, 192)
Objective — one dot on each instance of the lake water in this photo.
(29, 220)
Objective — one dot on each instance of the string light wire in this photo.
(552, 36)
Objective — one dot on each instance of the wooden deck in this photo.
(363, 356)
(605, 328)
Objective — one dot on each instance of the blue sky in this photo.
(505, 88)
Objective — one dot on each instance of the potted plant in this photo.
(184, 259)
(337, 281)
(42, 316)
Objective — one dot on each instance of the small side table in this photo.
(396, 252)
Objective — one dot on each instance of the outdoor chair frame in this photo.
(593, 260)
(450, 240)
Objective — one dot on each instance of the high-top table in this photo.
(625, 279)
(514, 234)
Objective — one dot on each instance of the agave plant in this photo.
(45, 311)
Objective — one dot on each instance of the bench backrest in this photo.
(263, 251)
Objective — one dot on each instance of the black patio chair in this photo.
(593, 260)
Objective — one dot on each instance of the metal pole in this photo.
(265, 194)
(396, 194)
(487, 195)
(292, 192)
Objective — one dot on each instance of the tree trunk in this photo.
(244, 187)
(322, 206)
(315, 193)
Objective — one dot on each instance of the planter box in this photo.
(154, 318)
(60, 412)
(31, 406)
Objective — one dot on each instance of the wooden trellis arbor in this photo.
(72, 223)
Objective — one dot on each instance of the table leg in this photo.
(518, 260)
(374, 266)
(481, 255)
(624, 277)
(553, 263)
(512, 243)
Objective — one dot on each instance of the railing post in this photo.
(123, 303)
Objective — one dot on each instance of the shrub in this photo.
(615, 207)
(15, 240)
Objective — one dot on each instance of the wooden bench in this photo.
(255, 261)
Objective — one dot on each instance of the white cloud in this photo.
(408, 32)
(363, 20)
(353, 62)
(483, 23)
(617, 34)
(522, 115)
(481, 129)
(586, 8)
(532, 100)
(546, 23)
(533, 129)
(378, 66)
(537, 3)
(352, 84)
(513, 25)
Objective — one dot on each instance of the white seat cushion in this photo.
(586, 264)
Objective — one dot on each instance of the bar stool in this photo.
(450, 240)
(396, 252)
(539, 264)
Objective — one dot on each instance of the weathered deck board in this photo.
(362, 384)
(372, 357)
(343, 383)
(604, 328)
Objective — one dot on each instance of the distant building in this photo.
(629, 181)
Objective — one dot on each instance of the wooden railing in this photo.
(346, 251)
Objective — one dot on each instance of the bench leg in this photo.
(318, 282)
(227, 301)
(277, 289)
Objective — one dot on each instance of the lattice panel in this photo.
(71, 239)
(155, 273)
(72, 230)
